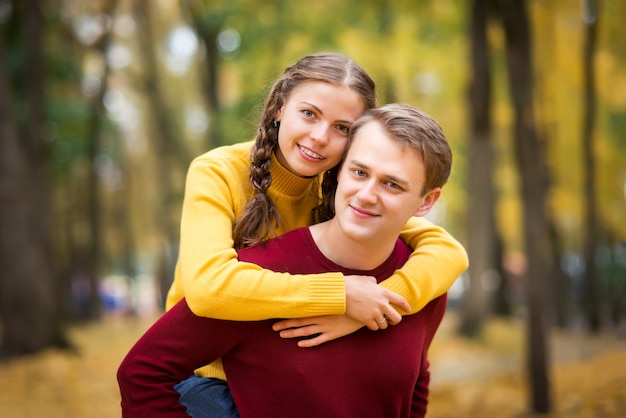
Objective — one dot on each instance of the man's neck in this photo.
(347, 252)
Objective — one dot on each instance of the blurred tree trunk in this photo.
(93, 255)
(482, 230)
(94, 204)
(29, 308)
(502, 305)
(207, 27)
(163, 130)
(614, 276)
(122, 218)
(592, 308)
(385, 23)
(561, 293)
(530, 159)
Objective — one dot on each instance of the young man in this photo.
(394, 168)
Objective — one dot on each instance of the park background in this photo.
(103, 104)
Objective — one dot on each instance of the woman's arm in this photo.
(436, 262)
(177, 344)
(217, 285)
(208, 273)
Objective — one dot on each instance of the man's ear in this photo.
(429, 200)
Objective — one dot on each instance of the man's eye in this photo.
(344, 129)
(359, 173)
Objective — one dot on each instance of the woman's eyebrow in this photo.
(318, 110)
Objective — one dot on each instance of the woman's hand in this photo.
(329, 327)
(371, 304)
(367, 304)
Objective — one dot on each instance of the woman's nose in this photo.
(320, 133)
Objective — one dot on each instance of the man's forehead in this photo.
(373, 140)
(373, 147)
(371, 133)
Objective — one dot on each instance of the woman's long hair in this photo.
(259, 217)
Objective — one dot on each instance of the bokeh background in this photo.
(103, 104)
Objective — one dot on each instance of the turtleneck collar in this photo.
(286, 182)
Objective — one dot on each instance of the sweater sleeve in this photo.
(419, 402)
(210, 277)
(434, 313)
(436, 262)
(167, 354)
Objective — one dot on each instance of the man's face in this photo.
(380, 185)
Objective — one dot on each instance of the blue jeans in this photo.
(206, 398)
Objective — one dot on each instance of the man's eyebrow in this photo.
(358, 163)
(398, 180)
(391, 177)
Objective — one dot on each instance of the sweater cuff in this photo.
(328, 294)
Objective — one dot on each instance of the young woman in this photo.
(247, 193)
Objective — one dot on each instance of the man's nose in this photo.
(368, 192)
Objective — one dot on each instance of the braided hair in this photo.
(260, 217)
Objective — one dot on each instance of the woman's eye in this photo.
(344, 129)
(308, 113)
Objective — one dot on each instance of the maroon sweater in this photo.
(366, 374)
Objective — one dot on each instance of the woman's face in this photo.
(314, 125)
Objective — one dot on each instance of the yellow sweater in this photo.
(217, 285)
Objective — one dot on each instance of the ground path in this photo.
(477, 379)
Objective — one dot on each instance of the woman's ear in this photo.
(429, 200)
